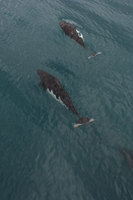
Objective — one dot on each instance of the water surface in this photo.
(42, 156)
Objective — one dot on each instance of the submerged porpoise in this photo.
(53, 86)
(72, 32)
(128, 155)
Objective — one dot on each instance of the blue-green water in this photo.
(42, 157)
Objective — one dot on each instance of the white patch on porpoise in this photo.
(54, 96)
(80, 34)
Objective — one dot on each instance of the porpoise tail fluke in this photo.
(83, 121)
(94, 54)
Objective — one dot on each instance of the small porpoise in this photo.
(128, 155)
(72, 32)
(54, 87)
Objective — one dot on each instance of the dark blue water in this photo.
(42, 157)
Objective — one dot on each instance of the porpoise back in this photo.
(72, 32)
(53, 86)
(128, 155)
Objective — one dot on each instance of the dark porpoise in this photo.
(72, 32)
(128, 155)
(53, 86)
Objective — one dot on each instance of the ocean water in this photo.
(42, 157)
